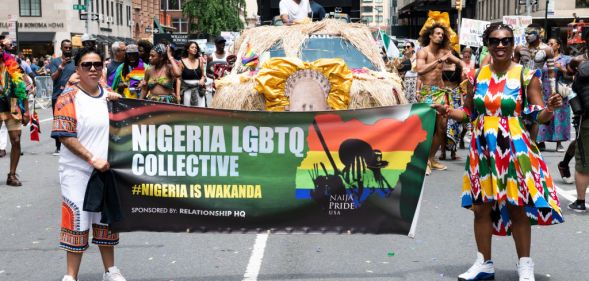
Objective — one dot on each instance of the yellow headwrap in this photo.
(444, 19)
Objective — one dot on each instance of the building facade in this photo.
(376, 13)
(144, 13)
(494, 10)
(413, 13)
(43, 24)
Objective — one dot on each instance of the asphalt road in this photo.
(443, 248)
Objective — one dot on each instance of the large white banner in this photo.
(471, 32)
(519, 24)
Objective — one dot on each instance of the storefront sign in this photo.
(34, 25)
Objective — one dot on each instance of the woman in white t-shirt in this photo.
(81, 123)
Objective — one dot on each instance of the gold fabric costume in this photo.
(271, 81)
(444, 19)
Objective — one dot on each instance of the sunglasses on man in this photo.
(87, 65)
(505, 42)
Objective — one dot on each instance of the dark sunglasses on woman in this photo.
(87, 65)
(505, 41)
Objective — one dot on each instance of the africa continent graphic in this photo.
(355, 160)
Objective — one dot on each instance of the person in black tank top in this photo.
(192, 79)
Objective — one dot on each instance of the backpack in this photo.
(581, 85)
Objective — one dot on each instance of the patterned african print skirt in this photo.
(162, 98)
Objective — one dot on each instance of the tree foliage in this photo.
(213, 16)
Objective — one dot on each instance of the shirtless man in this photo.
(581, 172)
(533, 55)
(430, 62)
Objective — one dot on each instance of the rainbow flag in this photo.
(250, 59)
(357, 165)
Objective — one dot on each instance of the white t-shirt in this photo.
(84, 117)
(295, 11)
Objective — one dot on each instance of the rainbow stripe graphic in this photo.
(395, 152)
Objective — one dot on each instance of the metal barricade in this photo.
(410, 85)
(44, 91)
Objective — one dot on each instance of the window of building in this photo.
(30, 8)
(379, 19)
(379, 9)
(367, 9)
(582, 4)
(129, 16)
(366, 1)
(367, 19)
(377, 1)
(171, 5)
(180, 24)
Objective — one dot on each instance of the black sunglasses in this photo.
(87, 65)
(505, 41)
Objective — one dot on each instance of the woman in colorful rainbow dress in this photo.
(506, 183)
(161, 76)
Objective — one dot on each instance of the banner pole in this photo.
(322, 140)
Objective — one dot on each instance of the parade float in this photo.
(313, 66)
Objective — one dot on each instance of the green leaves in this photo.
(213, 16)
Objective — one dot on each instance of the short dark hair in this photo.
(493, 27)
(65, 41)
(187, 46)
(85, 51)
(424, 38)
(146, 45)
(535, 25)
(411, 43)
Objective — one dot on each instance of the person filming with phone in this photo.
(62, 69)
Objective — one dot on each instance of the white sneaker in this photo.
(568, 180)
(113, 274)
(480, 270)
(525, 269)
(68, 278)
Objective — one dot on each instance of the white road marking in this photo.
(255, 262)
(570, 195)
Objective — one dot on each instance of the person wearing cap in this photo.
(219, 56)
(88, 41)
(129, 74)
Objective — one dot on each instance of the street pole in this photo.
(88, 16)
(528, 8)
(546, 21)
(459, 17)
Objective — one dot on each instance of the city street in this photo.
(443, 247)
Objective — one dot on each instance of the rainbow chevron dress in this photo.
(503, 166)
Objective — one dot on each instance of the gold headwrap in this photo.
(271, 80)
(441, 18)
